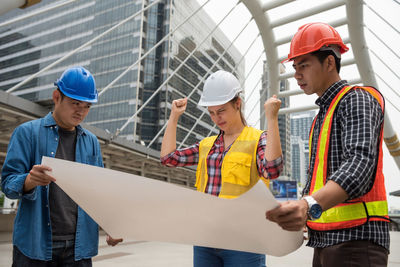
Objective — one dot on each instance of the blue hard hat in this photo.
(78, 83)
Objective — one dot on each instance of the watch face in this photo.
(315, 211)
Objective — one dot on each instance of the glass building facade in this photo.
(300, 128)
(283, 119)
(30, 44)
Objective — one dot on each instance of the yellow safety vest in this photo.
(370, 207)
(239, 168)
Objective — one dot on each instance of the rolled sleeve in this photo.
(267, 169)
(182, 157)
(272, 168)
(15, 190)
(17, 165)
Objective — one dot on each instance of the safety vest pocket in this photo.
(237, 169)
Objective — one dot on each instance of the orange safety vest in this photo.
(369, 207)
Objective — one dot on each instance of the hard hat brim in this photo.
(217, 102)
(72, 96)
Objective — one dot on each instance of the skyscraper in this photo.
(283, 119)
(32, 43)
(300, 127)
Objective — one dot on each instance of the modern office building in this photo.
(300, 154)
(33, 42)
(283, 119)
(301, 123)
(300, 127)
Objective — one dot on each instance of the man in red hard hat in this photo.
(344, 201)
(50, 229)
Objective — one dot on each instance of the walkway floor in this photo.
(150, 254)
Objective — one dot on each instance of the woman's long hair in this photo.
(233, 102)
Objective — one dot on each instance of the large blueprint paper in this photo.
(131, 206)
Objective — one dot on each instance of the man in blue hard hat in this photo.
(50, 229)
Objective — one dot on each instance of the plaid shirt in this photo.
(190, 156)
(352, 159)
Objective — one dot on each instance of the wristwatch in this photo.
(314, 209)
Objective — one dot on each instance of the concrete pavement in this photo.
(132, 253)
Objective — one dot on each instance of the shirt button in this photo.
(48, 224)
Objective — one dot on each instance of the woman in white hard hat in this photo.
(230, 163)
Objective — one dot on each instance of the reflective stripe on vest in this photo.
(239, 168)
(370, 207)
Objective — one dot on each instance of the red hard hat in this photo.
(311, 37)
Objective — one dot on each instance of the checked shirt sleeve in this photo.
(182, 157)
(268, 169)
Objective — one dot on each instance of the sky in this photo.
(383, 44)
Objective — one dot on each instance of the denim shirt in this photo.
(32, 229)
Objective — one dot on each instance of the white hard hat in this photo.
(219, 88)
